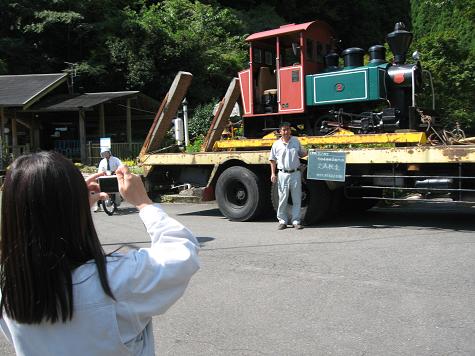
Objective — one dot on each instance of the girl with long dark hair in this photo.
(60, 293)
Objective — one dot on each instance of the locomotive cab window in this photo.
(320, 52)
(290, 54)
(269, 58)
(309, 49)
(257, 55)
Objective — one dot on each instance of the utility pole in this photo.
(72, 70)
(185, 121)
(2, 136)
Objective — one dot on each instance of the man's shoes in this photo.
(298, 226)
(281, 227)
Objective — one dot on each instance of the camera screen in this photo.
(108, 184)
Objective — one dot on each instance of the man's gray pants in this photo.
(289, 183)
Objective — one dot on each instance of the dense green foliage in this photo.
(445, 36)
(202, 117)
(141, 44)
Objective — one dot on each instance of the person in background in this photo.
(60, 294)
(108, 164)
(285, 159)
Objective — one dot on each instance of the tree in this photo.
(159, 40)
(444, 35)
(40, 36)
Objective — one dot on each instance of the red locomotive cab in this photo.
(274, 84)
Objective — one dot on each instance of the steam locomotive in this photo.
(294, 75)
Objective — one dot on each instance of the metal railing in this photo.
(124, 151)
(9, 154)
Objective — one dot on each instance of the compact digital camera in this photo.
(108, 184)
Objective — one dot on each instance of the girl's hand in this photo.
(131, 188)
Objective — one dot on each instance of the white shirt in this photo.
(114, 163)
(145, 282)
(287, 155)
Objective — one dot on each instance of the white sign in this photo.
(105, 143)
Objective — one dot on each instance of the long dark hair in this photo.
(47, 231)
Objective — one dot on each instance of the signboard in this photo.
(326, 165)
(105, 142)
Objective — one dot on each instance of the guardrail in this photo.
(123, 151)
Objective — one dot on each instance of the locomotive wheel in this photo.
(239, 194)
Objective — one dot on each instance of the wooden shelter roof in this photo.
(86, 101)
(24, 90)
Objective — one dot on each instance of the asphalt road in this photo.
(395, 281)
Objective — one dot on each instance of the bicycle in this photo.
(109, 205)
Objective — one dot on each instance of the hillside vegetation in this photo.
(140, 45)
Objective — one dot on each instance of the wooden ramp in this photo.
(167, 112)
(221, 117)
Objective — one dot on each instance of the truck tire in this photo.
(239, 194)
(337, 201)
(319, 202)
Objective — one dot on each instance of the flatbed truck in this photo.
(236, 172)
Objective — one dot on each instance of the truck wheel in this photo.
(239, 194)
(319, 202)
(337, 201)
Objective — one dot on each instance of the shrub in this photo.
(199, 124)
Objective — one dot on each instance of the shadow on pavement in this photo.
(442, 218)
(126, 211)
(207, 212)
(204, 239)
(435, 216)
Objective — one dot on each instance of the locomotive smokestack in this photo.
(399, 41)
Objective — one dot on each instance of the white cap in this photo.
(104, 150)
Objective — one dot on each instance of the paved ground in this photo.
(390, 282)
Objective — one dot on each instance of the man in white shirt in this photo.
(285, 159)
(108, 164)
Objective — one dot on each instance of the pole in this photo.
(2, 136)
(102, 122)
(14, 138)
(129, 124)
(185, 121)
(82, 135)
